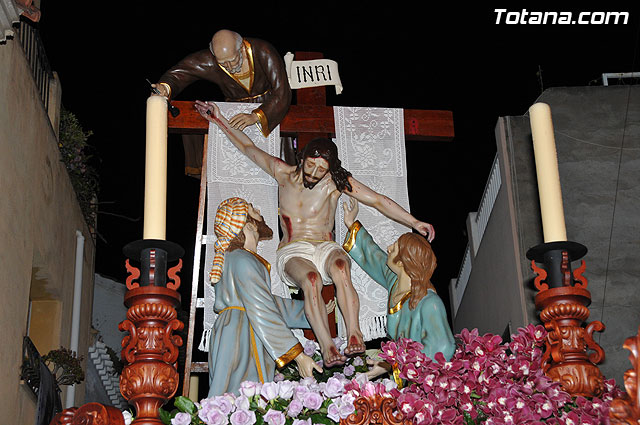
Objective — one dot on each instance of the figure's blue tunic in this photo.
(252, 333)
(427, 323)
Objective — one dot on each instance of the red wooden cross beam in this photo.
(311, 117)
(424, 125)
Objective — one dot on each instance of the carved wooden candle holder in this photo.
(150, 377)
(626, 410)
(563, 301)
(375, 409)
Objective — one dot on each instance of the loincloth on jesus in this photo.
(315, 251)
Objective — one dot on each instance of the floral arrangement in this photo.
(485, 382)
(488, 382)
(285, 402)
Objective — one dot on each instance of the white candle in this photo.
(544, 148)
(155, 177)
(194, 381)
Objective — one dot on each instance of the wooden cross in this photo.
(312, 117)
(309, 118)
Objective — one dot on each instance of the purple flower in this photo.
(242, 402)
(295, 407)
(310, 347)
(333, 388)
(274, 417)
(302, 422)
(358, 361)
(286, 389)
(243, 417)
(333, 412)
(181, 418)
(249, 388)
(223, 404)
(278, 377)
(346, 408)
(349, 370)
(312, 400)
(213, 417)
(339, 342)
(269, 390)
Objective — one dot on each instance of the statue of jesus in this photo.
(307, 255)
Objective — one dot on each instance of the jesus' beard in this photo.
(265, 232)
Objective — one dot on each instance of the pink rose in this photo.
(333, 388)
(181, 418)
(274, 417)
(249, 389)
(312, 400)
(295, 407)
(269, 390)
(243, 417)
(285, 389)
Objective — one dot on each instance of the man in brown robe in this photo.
(246, 70)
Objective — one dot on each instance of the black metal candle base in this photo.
(552, 254)
(153, 255)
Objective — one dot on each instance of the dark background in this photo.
(391, 55)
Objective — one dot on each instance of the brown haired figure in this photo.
(307, 256)
(415, 310)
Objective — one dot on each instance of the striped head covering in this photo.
(230, 219)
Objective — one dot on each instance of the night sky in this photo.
(443, 57)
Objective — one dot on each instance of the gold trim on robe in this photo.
(262, 121)
(289, 355)
(350, 238)
(262, 260)
(396, 308)
(254, 348)
(247, 47)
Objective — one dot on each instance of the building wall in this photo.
(39, 216)
(598, 144)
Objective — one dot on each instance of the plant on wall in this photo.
(65, 365)
(76, 158)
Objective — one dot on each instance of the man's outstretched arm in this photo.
(389, 208)
(269, 163)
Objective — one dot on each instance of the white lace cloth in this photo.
(371, 146)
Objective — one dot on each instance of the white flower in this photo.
(128, 417)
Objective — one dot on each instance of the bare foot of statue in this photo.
(332, 357)
(355, 345)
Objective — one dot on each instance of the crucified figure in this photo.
(307, 255)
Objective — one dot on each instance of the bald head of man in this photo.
(226, 46)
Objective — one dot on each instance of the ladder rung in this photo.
(200, 303)
(199, 367)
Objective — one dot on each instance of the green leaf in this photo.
(185, 405)
(322, 419)
(165, 416)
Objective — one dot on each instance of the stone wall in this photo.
(39, 217)
(597, 132)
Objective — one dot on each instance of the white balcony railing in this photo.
(478, 225)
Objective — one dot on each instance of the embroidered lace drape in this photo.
(371, 146)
